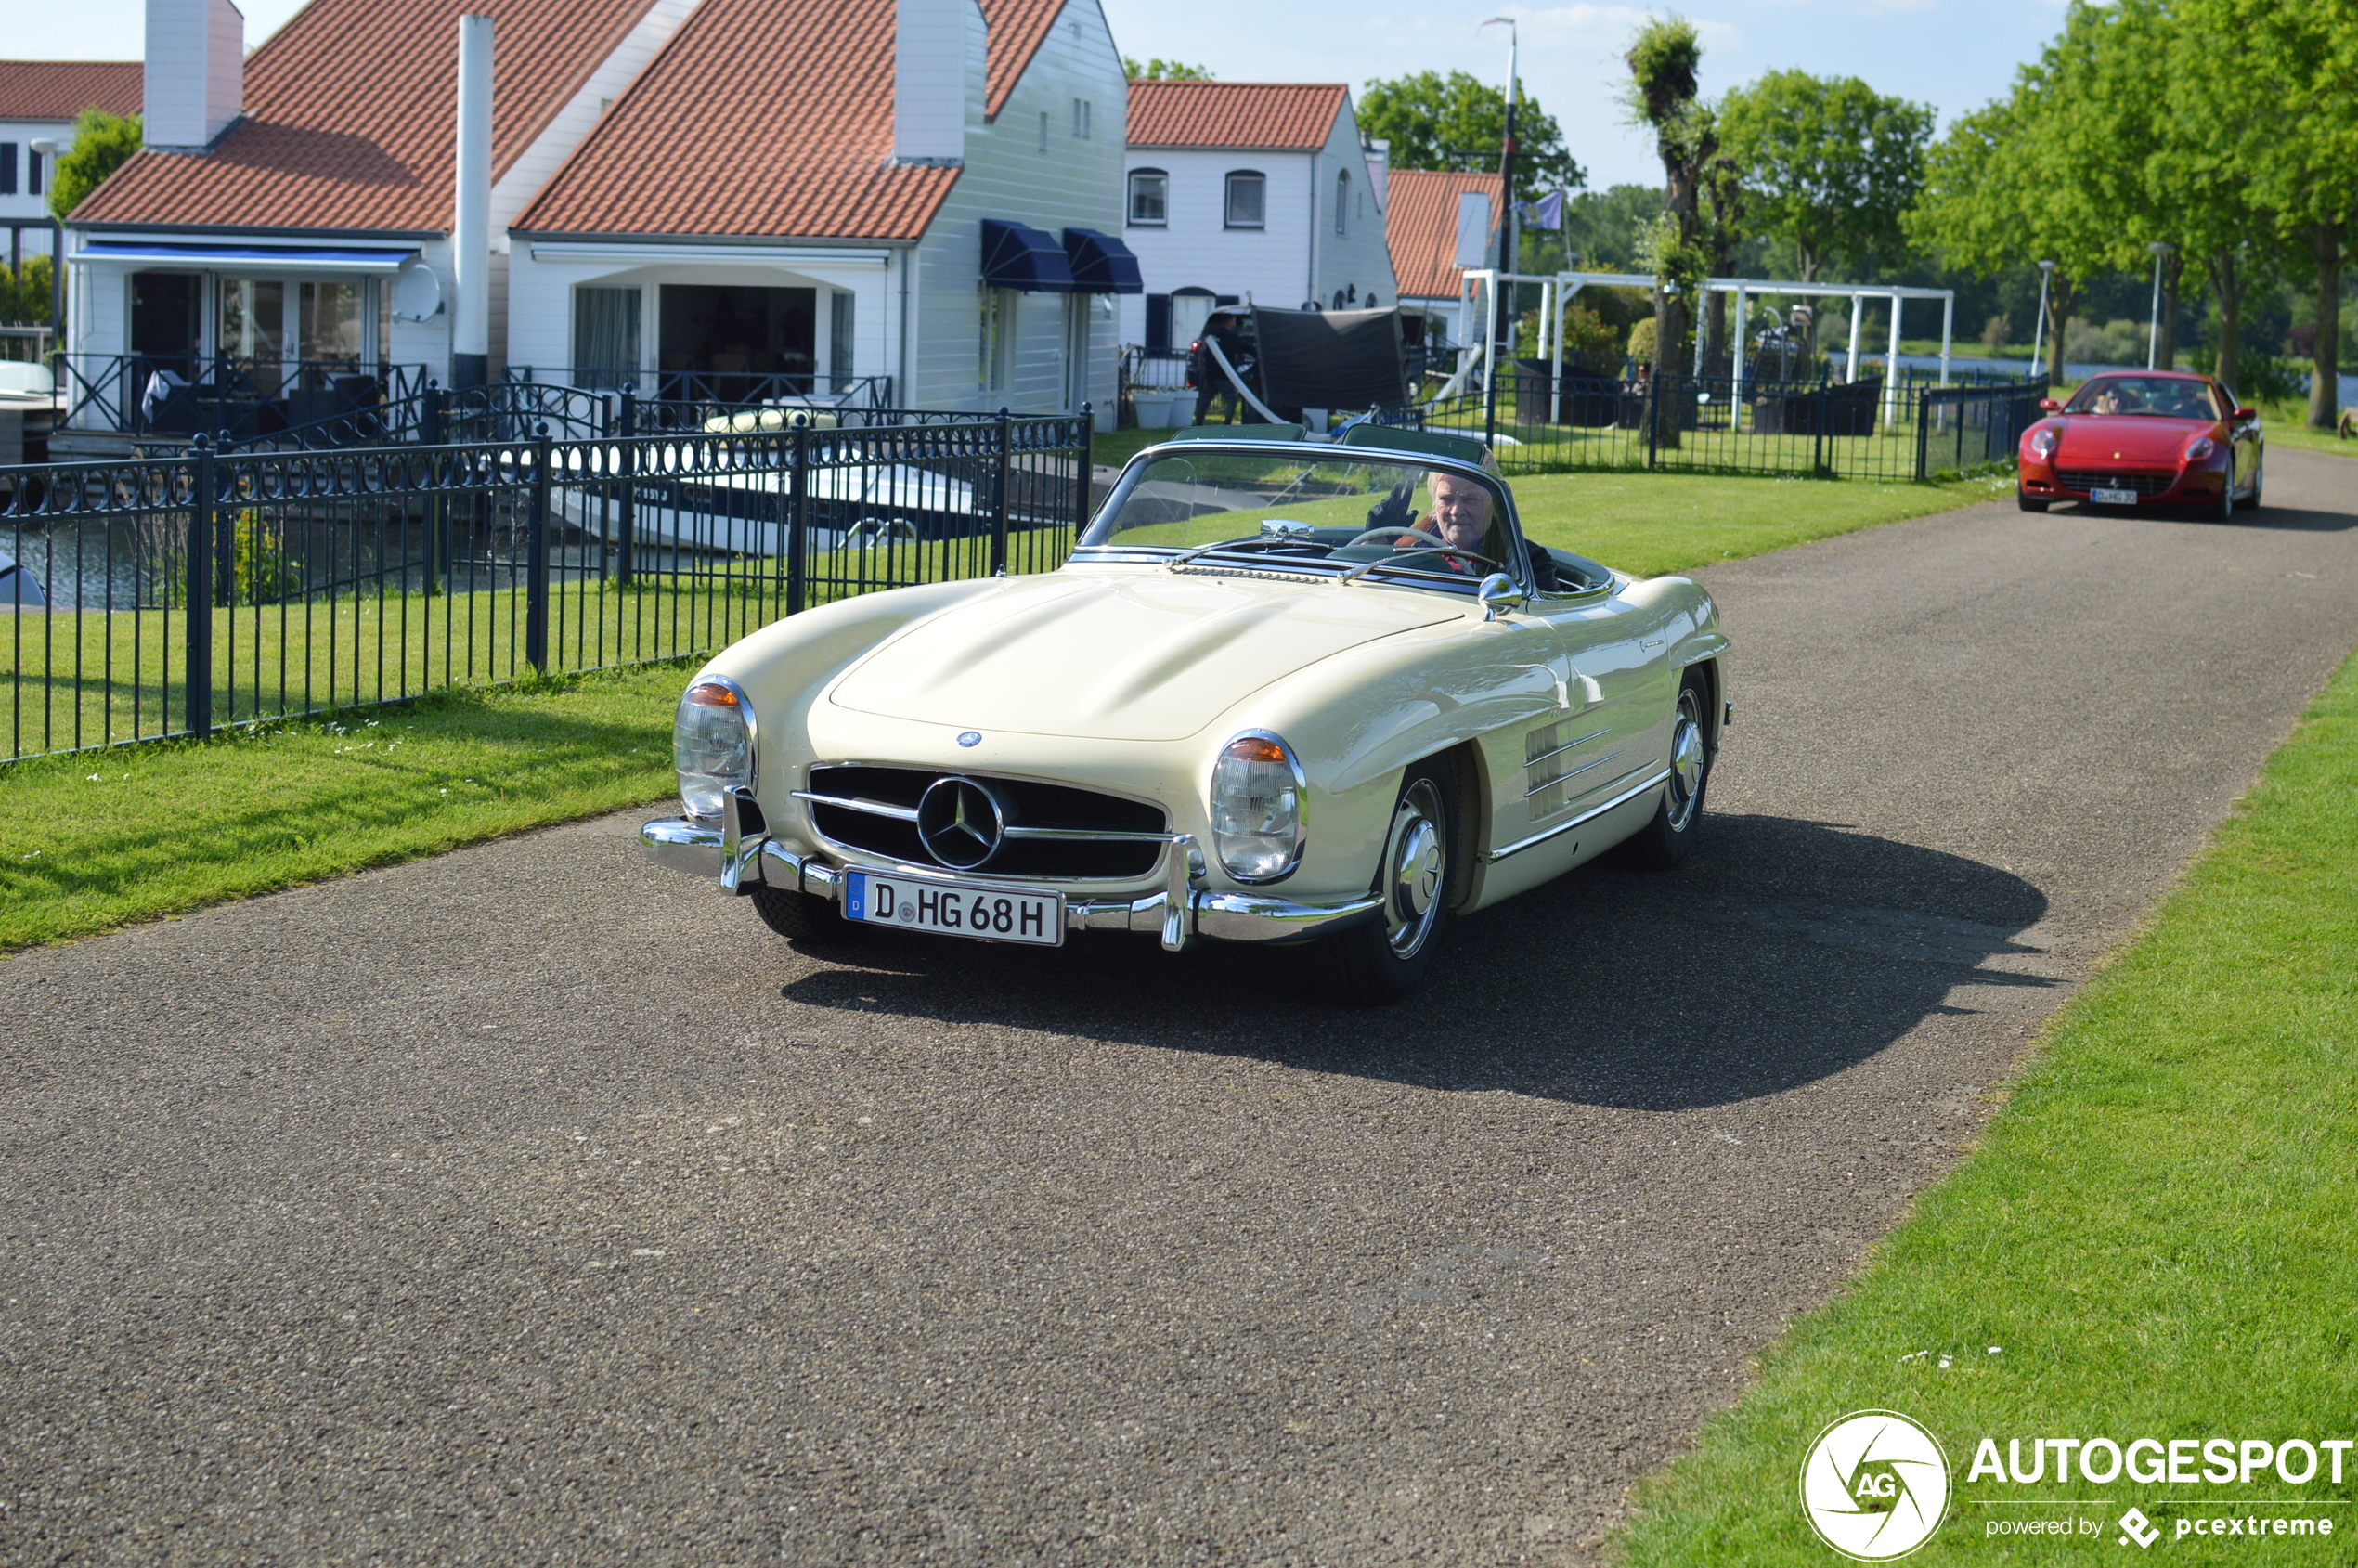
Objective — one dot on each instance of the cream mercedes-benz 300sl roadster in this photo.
(1285, 693)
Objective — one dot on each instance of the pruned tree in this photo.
(1663, 59)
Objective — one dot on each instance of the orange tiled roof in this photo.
(61, 89)
(801, 149)
(350, 113)
(1420, 228)
(1274, 116)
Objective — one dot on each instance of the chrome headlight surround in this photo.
(1257, 800)
(712, 744)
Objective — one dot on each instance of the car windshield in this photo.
(1232, 509)
(2162, 397)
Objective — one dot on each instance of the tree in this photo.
(1159, 70)
(1662, 60)
(102, 143)
(1460, 121)
(1828, 166)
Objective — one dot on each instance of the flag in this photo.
(1546, 213)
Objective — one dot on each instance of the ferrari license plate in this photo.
(955, 909)
(2113, 498)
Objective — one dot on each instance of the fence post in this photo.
(1825, 410)
(1923, 434)
(1085, 475)
(429, 432)
(535, 611)
(627, 502)
(1653, 426)
(197, 661)
(999, 494)
(798, 520)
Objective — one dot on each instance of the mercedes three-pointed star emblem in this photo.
(961, 822)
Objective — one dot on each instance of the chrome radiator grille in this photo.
(1054, 832)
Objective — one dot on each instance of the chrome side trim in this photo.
(1494, 856)
(1093, 835)
(1574, 773)
(1534, 762)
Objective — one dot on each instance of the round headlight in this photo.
(2043, 443)
(1256, 808)
(712, 744)
(2201, 447)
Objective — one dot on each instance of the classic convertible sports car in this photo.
(2144, 437)
(1282, 692)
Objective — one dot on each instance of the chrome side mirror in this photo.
(1498, 594)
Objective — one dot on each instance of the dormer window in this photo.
(1149, 198)
(1247, 202)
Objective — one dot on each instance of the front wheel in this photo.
(1386, 960)
(1663, 841)
(2223, 509)
(802, 918)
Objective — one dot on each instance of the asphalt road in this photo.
(531, 1205)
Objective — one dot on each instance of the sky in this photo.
(1955, 55)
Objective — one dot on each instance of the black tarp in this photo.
(1330, 358)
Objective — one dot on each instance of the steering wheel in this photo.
(1390, 532)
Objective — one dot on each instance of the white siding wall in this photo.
(1359, 259)
(1075, 184)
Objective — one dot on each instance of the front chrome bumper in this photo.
(1177, 912)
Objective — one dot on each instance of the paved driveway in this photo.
(529, 1205)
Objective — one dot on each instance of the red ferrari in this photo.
(2145, 438)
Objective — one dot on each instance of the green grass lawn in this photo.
(2155, 1232)
(99, 840)
(2287, 424)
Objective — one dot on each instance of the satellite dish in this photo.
(417, 291)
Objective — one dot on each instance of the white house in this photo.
(39, 100)
(787, 195)
(1255, 192)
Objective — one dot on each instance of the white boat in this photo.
(745, 513)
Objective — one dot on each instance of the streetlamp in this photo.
(2039, 327)
(2160, 248)
(50, 149)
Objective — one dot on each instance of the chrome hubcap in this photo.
(1416, 867)
(1688, 759)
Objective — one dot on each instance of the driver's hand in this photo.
(1394, 510)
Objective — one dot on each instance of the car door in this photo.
(1617, 732)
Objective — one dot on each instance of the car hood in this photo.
(1147, 656)
(2136, 438)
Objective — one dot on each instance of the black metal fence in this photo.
(1857, 430)
(161, 596)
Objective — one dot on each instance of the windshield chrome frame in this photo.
(1518, 568)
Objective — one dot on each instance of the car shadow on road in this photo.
(1782, 951)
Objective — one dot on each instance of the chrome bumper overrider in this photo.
(1177, 914)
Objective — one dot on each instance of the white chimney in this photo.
(1473, 230)
(471, 224)
(195, 82)
(939, 59)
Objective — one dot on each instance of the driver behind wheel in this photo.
(1460, 512)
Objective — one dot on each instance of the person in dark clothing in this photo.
(1204, 372)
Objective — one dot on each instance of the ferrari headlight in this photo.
(2043, 443)
(2201, 447)
(712, 744)
(1256, 808)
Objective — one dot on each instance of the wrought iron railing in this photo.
(171, 395)
(174, 596)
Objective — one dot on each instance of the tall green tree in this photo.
(1460, 121)
(102, 143)
(1828, 165)
(1161, 70)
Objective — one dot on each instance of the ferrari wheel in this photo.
(2251, 502)
(1664, 842)
(2223, 509)
(800, 917)
(2030, 503)
(1387, 959)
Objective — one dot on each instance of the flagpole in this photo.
(1501, 287)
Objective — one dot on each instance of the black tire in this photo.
(1667, 838)
(2223, 509)
(1386, 960)
(2251, 502)
(2032, 504)
(802, 918)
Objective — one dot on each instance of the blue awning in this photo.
(1018, 256)
(246, 258)
(1101, 264)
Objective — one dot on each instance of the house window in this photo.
(33, 170)
(1081, 119)
(1248, 200)
(605, 336)
(1150, 198)
(7, 168)
(1342, 200)
(1043, 130)
(252, 330)
(998, 319)
(840, 321)
(1158, 323)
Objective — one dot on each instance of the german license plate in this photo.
(2113, 498)
(954, 909)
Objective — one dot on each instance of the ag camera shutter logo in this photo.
(1874, 1485)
